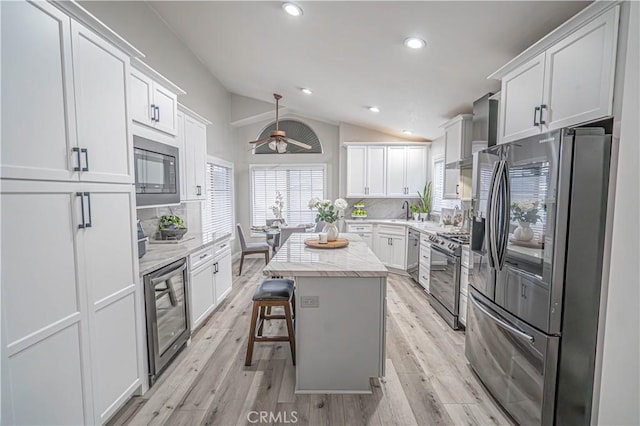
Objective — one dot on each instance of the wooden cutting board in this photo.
(315, 243)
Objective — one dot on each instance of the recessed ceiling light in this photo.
(415, 43)
(374, 109)
(407, 132)
(306, 91)
(292, 8)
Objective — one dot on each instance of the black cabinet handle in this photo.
(542, 107)
(158, 111)
(457, 189)
(85, 151)
(88, 224)
(215, 268)
(77, 151)
(153, 112)
(198, 190)
(81, 195)
(535, 116)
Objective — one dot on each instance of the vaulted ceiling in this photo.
(351, 54)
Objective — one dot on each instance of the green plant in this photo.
(171, 222)
(414, 208)
(525, 211)
(327, 210)
(425, 198)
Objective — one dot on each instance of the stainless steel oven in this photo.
(444, 283)
(157, 172)
(167, 312)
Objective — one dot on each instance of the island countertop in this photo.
(295, 259)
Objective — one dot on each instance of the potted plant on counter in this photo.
(328, 212)
(415, 211)
(425, 202)
(171, 227)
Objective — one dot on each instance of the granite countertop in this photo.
(297, 260)
(159, 255)
(429, 227)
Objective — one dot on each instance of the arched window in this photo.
(295, 130)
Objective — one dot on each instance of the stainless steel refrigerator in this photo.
(539, 207)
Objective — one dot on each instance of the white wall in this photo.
(617, 399)
(139, 24)
(328, 136)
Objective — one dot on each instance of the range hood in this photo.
(485, 129)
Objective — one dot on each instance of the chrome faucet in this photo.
(405, 205)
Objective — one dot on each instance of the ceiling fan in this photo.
(278, 139)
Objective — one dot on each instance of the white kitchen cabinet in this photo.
(390, 245)
(457, 142)
(154, 98)
(79, 306)
(366, 171)
(223, 276)
(406, 170)
(425, 262)
(192, 138)
(64, 113)
(462, 310)
(202, 293)
(570, 82)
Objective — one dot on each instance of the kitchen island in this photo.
(340, 313)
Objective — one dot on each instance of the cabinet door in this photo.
(195, 141)
(184, 154)
(101, 72)
(452, 142)
(396, 171)
(38, 118)
(356, 171)
(521, 94)
(202, 294)
(381, 248)
(416, 169)
(166, 104)
(224, 277)
(109, 266)
(141, 97)
(579, 73)
(43, 371)
(397, 258)
(451, 184)
(376, 170)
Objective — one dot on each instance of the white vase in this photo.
(523, 232)
(416, 216)
(332, 231)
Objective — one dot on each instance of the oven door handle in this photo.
(503, 324)
(165, 277)
(442, 252)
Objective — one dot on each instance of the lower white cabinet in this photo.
(390, 245)
(364, 231)
(210, 280)
(71, 307)
(425, 263)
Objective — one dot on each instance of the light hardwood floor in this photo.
(428, 381)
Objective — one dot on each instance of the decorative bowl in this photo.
(173, 233)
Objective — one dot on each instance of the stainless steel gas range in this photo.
(444, 274)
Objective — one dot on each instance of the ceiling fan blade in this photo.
(255, 147)
(262, 140)
(300, 144)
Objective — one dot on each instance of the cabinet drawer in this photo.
(425, 254)
(201, 257)
(220, 246)
(462, 314)
(359, 228)
(391, 230)
(464, 280)
(424, 239)
(423, 276)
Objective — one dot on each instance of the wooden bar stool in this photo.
(272, 292)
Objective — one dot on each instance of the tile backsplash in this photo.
(190, 213)
(388, 208)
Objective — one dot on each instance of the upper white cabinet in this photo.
(192, 139)
(154, 99)
(569, 81)
(386, 171)
(366, 171)
(457, 138)
(64, 99)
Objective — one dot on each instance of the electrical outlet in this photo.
(310, 301)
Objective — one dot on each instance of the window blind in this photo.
(218, 206)
(531, 183)
(437, 189)
(297, 184)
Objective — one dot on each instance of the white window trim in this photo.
(224, 163)
(275, 167)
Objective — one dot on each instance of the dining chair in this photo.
(319, 226)
(251, 248)
(285, 233)
(271, 238)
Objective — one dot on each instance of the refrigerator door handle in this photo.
(505, 198)
(493, 225)
(503, 324)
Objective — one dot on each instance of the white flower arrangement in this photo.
(327, 210)
(525, 211)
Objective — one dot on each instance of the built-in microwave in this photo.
(157, 172)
